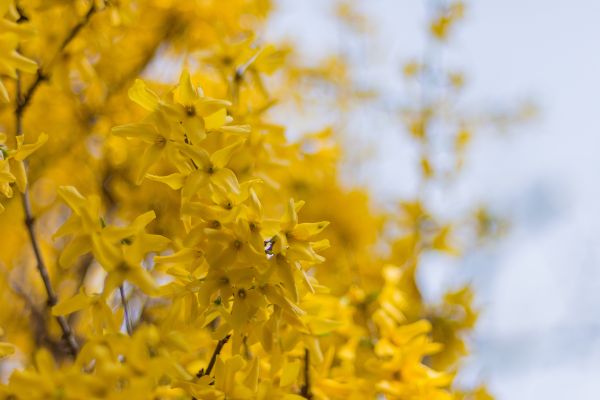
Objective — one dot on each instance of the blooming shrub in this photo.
(168, 241)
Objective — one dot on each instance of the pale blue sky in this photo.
(539, 335)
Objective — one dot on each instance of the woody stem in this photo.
(22, 101)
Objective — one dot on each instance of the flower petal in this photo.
(143, 96)
(25, 150)
(77, 247)
(151, 155)
(73, 304)
(174, 181)
(185, 93)
(145, 131)
(221, 157)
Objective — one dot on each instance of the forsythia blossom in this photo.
(187, 248)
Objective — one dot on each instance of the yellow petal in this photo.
(185, 93)
(290, 218)
(146, 132)
(143, 96)
(17, 168)
(441, 242)
(75, 303)
(107, 254)
(142, 279)
(174, 181)
(155, 243)
(215, 120)
(72, 226)
(184, 256)
(207, 106)
(226, 180)
(144, 219)
(323, 326)
(221, 157)
(193, 183)
(320, 245)
(239, 129)
(194, 129)
(298, 205)
(289, 373)
(112, 281)
(25, 150)
(23, 63)
(197, 154)
(239, 314)
(305, 230)
(72, 197)
(251, 380)
(23, 30)
(286, 275)
(44, 363)
(77, 247)
(151, 156)
(5, 178)
(303, 251)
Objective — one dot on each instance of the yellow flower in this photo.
(120, 250)
(12, 167)
(207, 169)
(290, 248)
(11, 33)
(196, 113)
(103, 318)
(156, 131)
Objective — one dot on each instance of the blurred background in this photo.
(538, 286)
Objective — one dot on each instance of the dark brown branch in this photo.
(213, 358)
(41, 266)
(126, 309)
(22, 103)
(42, 75)
(38, 321)
(75, 30)
(22, 17)
(305, 390)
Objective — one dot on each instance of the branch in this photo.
(126, 309)
(41, 266)
(42, 75)
(22, 103)
(75, 30)
(305, 390)
(213, 358)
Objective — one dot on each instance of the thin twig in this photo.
(41, 266)
(75, 30)
(43, 74)
(305, 390)
(22, 102)
(126, 309)
(213, 358)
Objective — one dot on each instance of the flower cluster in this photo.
(12, 168)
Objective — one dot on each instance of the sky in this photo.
(539, 286)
